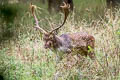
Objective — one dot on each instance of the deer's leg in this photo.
(57, 75)
(92, 56)
(59, 57)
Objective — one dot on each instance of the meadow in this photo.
(23, 57)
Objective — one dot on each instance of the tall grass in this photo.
(26, 59)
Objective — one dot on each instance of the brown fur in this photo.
(76, 43)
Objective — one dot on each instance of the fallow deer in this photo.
(80, 43)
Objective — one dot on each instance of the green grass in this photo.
(87, 9)
(24, 57)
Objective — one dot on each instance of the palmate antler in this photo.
(66, 12)
(33, 7)
(65, 8)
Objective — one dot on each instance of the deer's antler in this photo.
(65, 8)
(33, 7)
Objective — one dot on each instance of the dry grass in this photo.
(26, 59)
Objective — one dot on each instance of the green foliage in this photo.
(89, 9)
(90, 49)
(118, 32)
(10, 18)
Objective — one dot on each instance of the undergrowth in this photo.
(26, 59)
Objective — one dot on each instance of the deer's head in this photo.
(49, 37)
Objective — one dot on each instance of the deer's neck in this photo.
(62, 43)
(57, 42)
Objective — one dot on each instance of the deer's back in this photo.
(82, 39)
(78, 42)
